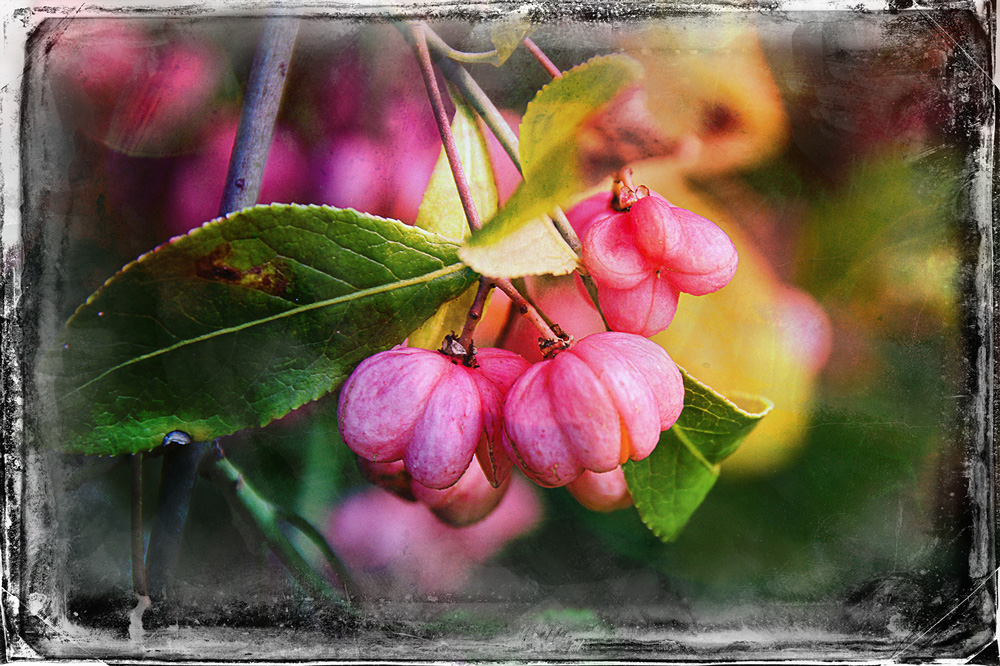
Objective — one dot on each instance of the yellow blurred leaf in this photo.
(711, 81)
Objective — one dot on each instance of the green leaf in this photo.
(671, 482)
(508, 33)
(580, 128)
(441, 212)
(241, 321)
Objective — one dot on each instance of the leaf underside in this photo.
(240, 322)
(670, 484)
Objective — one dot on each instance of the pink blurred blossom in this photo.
(199, 182)
(396, 547)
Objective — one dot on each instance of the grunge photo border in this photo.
(33, 604)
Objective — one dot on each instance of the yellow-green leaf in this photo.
(534, 248)
(579, 129)
(441, 209)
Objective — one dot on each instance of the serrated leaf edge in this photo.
(218, 220)
(767, 402)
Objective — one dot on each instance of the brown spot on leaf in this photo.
(216, 267)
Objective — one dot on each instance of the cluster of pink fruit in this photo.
(416, 417)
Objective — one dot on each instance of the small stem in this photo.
(478, 100)
(566, 230)
(526, 309)
(444, 127)
(260, 108)
(542, 59)
(624, 175)
(138, 550)
(442, 47)
(591, 287)
(522, 287)
(177, 477)
(475, 312)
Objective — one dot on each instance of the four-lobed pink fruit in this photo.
(643, 258)
(594, 406)
(430, 411)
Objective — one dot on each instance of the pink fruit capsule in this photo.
(644, 257)
(428, 410)
(604, 491)
(599, 403)
(467, 502)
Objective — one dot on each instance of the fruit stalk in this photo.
(475, 312)
(444, 127)
(542, 59)
(479, 101)
(419, 39)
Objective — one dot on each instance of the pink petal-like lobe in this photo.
(446, 434)
(611, 255)
(383, 398)
(585, 411)
(604, 492)
(532, 435)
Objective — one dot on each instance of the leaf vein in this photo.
(364, 293)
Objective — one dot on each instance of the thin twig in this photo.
(475, 312)
(522, 286)
(542, 59)
(526, 309)
(138, 555)
(591, 287)
(566, 230)
(478, 100)
(482, 104)
(260, 108)
(444, 127)
(177, 477)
